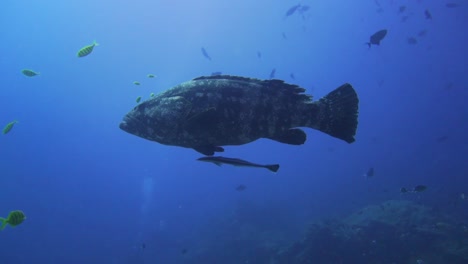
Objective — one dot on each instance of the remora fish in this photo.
(209, 112)
(238, 162)
(377, 37)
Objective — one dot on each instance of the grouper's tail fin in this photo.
(338, 113)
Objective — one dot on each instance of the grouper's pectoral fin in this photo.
(208, 150)
(293, 136)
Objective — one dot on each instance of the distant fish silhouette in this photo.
(422, 33)
(370, 173)
(412, 41)
(259, 54)
(420, 188)
(291, 10)
(205, 54)
(377, 37)
(401, 9)
(273, 73)
(292, 76)
(303, 9)
(29, 73)
(427, 14)
(241, 188)
(416, 189)
(452, 5)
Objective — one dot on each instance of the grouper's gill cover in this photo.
(209, 112)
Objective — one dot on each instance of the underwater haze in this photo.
(93, 193)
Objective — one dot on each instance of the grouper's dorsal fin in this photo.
(275, 84)
(272, 82)
(227, 77)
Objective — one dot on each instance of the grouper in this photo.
(210, 112)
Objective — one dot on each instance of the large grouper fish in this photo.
(207, 113)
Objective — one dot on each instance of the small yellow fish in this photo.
(29, 73)
(138, 99)
(14, 218)
(136, 83)
(86, 50)
(151, 75)
(151, 94)
(8, 127)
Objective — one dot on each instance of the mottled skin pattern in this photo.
(223, 110)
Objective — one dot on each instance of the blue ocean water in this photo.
(93, 193)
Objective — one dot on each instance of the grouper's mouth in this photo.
(133, 125)
(130, 124)
(124, 125)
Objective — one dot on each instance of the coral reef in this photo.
(391, 232)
